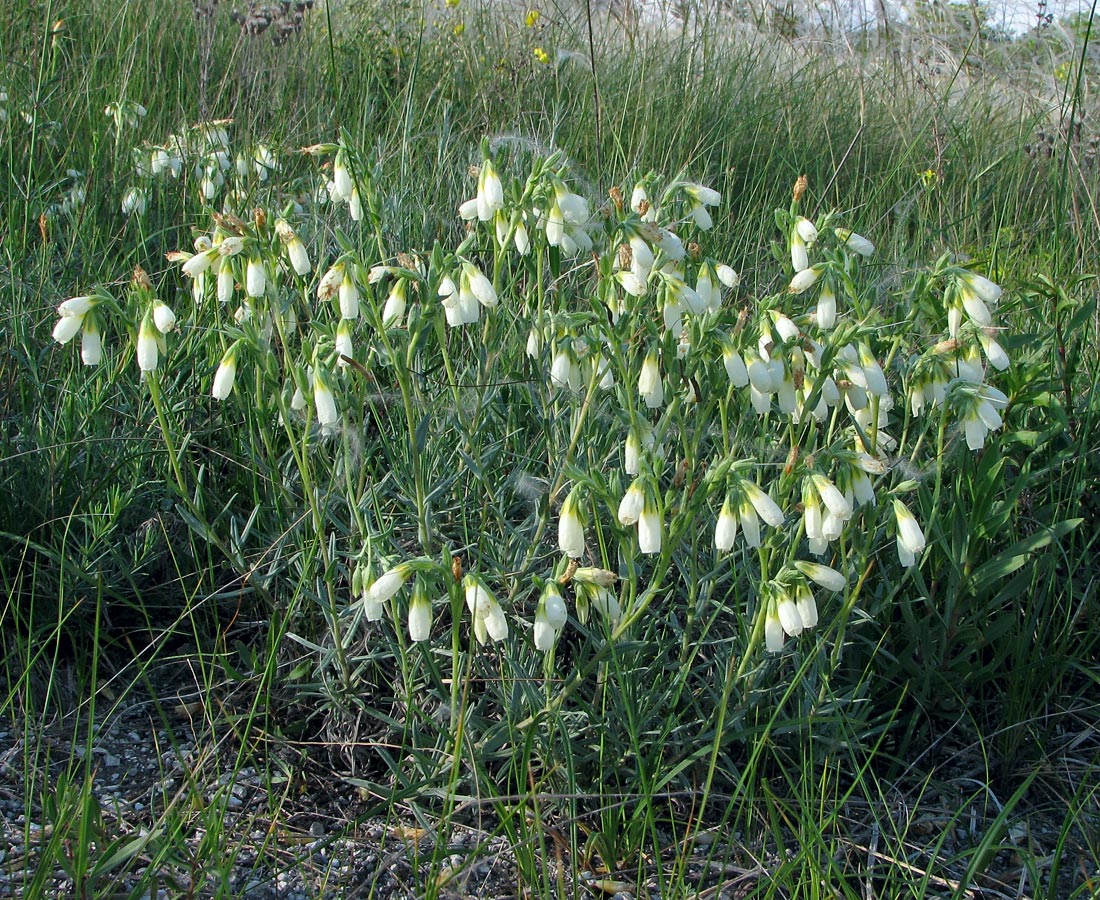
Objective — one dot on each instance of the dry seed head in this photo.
(792, 459)
(570, 569)
(229, 222)
(259, 217)
(626, 257)
(616, 196)
(798, 360)
(44, 228)
(695, 251)
(595, 575)
(800, 187)
(456, 568)
(474, 172)
(141, 279)
(948, 346)
(681, 472)
(285, 231)
(643, 207)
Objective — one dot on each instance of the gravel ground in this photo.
(188, 819)
(155, 781)
(154, 776)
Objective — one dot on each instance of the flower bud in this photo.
(550, 617)
(394, 311)
(324, 401)
(420, 614)
(389, 583)
(650, 386)
(255, 279)
(91, 342)
(828, 578)
(857, 243)
(762, 503)
(163, 318)
(75, 306)
(800, 260)
(570, 527)
(226, 375)
(226, 281)
(147, 345)
(911, 540)
(773, 632)
(650, 527)
(295, 249)
(805, 279)
(67, 328)
(805, 229)
(349, 297)
(788, 615)
(807, 606)
(632, 504)
(725, 532)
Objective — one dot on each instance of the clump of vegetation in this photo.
(551, 466)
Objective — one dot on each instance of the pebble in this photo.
(133, 764)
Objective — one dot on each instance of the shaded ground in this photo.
(174, 812)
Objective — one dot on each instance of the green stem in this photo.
(162, 421)
(402, 368)
(555, 487)
(301, 456)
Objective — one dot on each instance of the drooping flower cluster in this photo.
(816, 364)
(628, 321)
(951, 372)
(375, 594)
(789, 601)
(77, 316)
